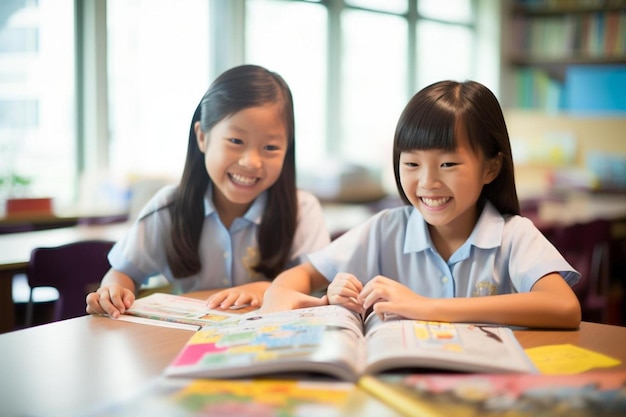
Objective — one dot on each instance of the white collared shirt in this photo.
(227, 255)
(502, 255)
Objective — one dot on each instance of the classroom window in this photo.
(435, 63)
(374, 86)
(37, 105)
(158, 63)
(352, 66)
(393, 6)
(289, 38)
(456, 11)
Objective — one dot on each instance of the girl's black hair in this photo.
(237, 89)
(432, 119)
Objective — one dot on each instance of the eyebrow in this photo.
(240, 130)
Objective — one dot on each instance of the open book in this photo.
(169, 310)
(334, 341)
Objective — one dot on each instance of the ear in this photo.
(492, 168)
(200, 137)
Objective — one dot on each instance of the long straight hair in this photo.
(237, 89)
(432, 119)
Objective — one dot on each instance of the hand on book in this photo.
(283, 299)
(388, 298)
(246, 294)
(344, 290)
(112, 299)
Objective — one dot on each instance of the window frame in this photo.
(227, 49)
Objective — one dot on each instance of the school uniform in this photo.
(227, 255)
(503, 254)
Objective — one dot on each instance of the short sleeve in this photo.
(532, 256)
(140, 254)
(365, 249)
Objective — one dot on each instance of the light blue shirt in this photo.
(502, 255)
(227, 255)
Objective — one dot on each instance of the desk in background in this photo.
(74, 365)
(43, 220)
(15, 249)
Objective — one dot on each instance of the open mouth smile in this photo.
(435, 202)
(243, 180)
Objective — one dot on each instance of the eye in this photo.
(449, 164)
(235, 141)
(271, 147)
(411, 164)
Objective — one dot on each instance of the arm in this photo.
(115, 295)
(291, 289)
(551, 303)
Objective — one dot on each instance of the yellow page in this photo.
(568, 359)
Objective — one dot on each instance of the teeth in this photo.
(435, 202)
(240, 179)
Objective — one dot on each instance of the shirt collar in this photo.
(488, 230)
(417, 236)
(254, 213)
(486, 234)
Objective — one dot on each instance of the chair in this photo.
(73, 269)
(586, 247)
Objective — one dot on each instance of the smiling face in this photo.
(244, 156)
(445, 185)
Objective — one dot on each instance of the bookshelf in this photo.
(550, 43)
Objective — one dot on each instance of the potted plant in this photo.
(14, 189)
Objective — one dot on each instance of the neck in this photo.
(450, 237)
(227, 210)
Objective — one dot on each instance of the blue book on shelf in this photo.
(595, 89)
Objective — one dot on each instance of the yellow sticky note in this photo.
(568, 359)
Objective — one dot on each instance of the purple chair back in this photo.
(586, 247)
(73, 269)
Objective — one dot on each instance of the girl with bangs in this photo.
(236, 219)
(458, 251)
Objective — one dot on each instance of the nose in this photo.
(428, 179)
(250, 159)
